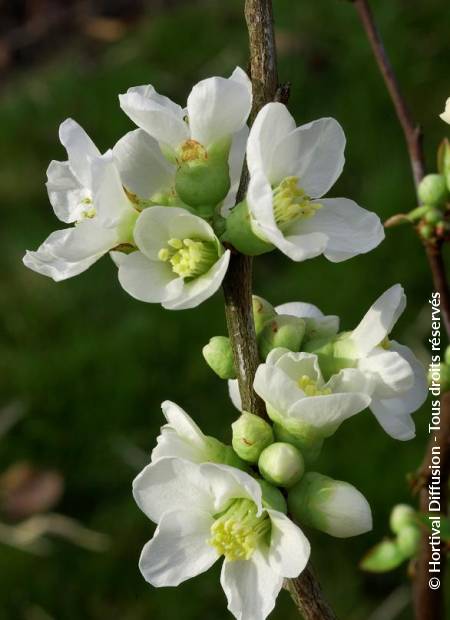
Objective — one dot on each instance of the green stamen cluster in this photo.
(290, 202)
(189, 258)
(237, 532)
(309, 386)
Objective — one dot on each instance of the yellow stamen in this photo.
(291, 203)
(310, 387)
(189, 258)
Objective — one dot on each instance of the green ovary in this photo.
(189, 258)
(291, 203)
(237, 533)
(310, 388)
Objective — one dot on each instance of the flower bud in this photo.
(272, 497)
(432, 189)
(240, 234)
(219, 357)
(281, 464)
(402, 515)
(383, 557)
(263, 311)
(251, 434)
(282, 331)
(433, 215)
(408, 540)
(331, 506)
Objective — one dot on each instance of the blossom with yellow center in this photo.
(290, 202)
(189, 258)
(310, 387)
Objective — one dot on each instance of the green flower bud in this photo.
(203, 178)
(433, 216)
(433, 189)
(262, 312)
(240, 234)
(281, 464)
(383, 557)
(408, 540)
(447, 355)
(251, 434)
(219, 357)
(272, 497)
(442, 378)
(282, 331)
(402, 515)
(331, 506)
(309, 446)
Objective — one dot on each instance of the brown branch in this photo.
(305, 589)
(428, 603)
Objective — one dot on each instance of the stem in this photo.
(428, 603)
(237, 286)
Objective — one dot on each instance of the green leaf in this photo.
(382, 558)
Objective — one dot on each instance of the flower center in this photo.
(290, 202)
(237, 533)
(385, 344)
(310, 388)
(189, 258)
(192, 150)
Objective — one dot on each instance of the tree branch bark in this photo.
(305, 589)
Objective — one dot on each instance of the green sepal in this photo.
(272, 497)
(263, 311)
(240, 235)
(282, 331)
(219, 357)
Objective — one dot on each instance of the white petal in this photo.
(276, 388)
(178, 549)
(251, 587)
(446, 113)
(200, 289)
(182, 422)
(65, 192)
(234, 394)
(148, 280)
(300, 310)
(314, 153)
(350, 229)
(227, 483)
(86, 240)
(346, 512)
(289, 548)
(351, 380)
(379, 320)
(218, 107)
(143, 168)
(170, 444)
(156, 114)
(272, 123)
(235, 162)
(169, 485)
(316, 322)
(80, 150)
(110, 200)
(297, 364)
(391, 372)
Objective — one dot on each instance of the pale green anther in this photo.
(238, 531)
(189, 258)
(290, 202)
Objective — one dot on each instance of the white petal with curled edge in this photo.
(314, 153)
(346, 512)
(300, 309)
(391, 372)
(251, 587)
(170, 444)
(379, 320)
(65, 192)
(178, 549)
(289, 548)
(110, 200)
(234, 394)
(142, 167)
(80, 150)
(86, 240)
(219, 107)
(182, 422)
(226, 483)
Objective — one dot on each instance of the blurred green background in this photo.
(90, 365)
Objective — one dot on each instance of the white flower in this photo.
(300, 401)
(217, 108)
(290, 170)
(399, 378)
(446, 113)
(88, 191)
(180, 263)
(206, 511)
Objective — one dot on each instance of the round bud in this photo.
(408, 540)
(272, 497)
(219, 357)
(263, 311)
(432, 189)
(203, 181)
(282, 331)
(251, 434)
(240, 234)
(281, 464)
(433, 216)
(383, 557)
(402, 515)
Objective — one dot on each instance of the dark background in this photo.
(89, 365)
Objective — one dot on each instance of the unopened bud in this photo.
(432, 189)
(219, 357)
(433, 216)
(401, 516)
(263, 311)
(281, 464)
(426, 231)
(408, 540)
(282, 331)
(251, 434)
(383, 557)
(331, 506)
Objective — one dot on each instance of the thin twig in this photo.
(428, 603)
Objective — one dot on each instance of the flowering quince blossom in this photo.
(180, 261)
(291, 168)
(446, 113)
(206, 511)
(100, 194)
(400, 385)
